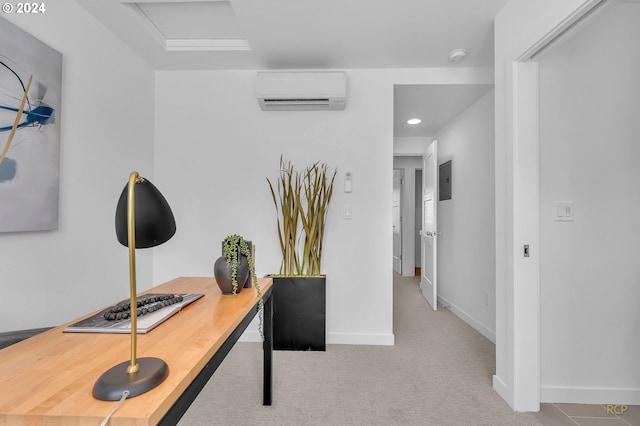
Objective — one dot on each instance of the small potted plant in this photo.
(235, 269)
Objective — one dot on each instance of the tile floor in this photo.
(588, 415)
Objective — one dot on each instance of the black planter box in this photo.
(299, 313)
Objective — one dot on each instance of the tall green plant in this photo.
(318, 190)
(288, 189)
(302, 202)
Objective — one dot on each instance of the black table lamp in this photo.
(143, 219)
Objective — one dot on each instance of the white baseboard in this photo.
(475, 324)
(583, 395)
(337, 338)
(360, 339)
(501, 389)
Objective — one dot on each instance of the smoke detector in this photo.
(457, 55)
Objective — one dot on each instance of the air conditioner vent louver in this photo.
(301, 90)
(295, 104)
(319, 100)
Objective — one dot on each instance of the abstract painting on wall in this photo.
(30, 97)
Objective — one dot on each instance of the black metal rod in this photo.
(267, 349)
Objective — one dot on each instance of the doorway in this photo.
(406, 167)
(466, 222)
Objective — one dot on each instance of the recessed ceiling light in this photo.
(414, 121)
(457, 55)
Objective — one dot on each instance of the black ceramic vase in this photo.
(222, 273)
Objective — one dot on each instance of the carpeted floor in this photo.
(438, 373)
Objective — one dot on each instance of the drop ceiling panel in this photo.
(192, 20)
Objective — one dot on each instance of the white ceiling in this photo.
(307, 34)
(435, 105)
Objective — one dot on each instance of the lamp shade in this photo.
(154, 221)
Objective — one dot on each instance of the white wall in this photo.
(50, 278)
(410, 146)
(466, 247)
(589, 154)
(215, 147)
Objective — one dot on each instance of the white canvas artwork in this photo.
(30, 96)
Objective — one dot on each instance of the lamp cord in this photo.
(125, 394)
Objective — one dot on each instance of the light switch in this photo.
(564, 211)
(568, 211)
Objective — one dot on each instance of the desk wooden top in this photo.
(48, 379)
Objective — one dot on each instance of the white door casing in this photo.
(517, 378)
(396, 207)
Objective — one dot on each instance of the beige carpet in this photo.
(438, 373)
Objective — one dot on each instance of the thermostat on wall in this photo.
(348, 181)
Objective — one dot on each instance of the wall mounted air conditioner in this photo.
(301, 90)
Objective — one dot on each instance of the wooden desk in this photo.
(48, 379)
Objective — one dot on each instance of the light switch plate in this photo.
(564, 211)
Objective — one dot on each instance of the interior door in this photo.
(396, 207)
(429, 231)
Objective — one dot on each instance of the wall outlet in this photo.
(485, 295)
(346, 212)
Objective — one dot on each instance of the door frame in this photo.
(417, 220)
(517, 378)
(401, 174)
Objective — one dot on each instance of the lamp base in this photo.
(116, 380)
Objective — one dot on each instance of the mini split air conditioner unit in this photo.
(301, 90)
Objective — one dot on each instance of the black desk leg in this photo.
(267, 347)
